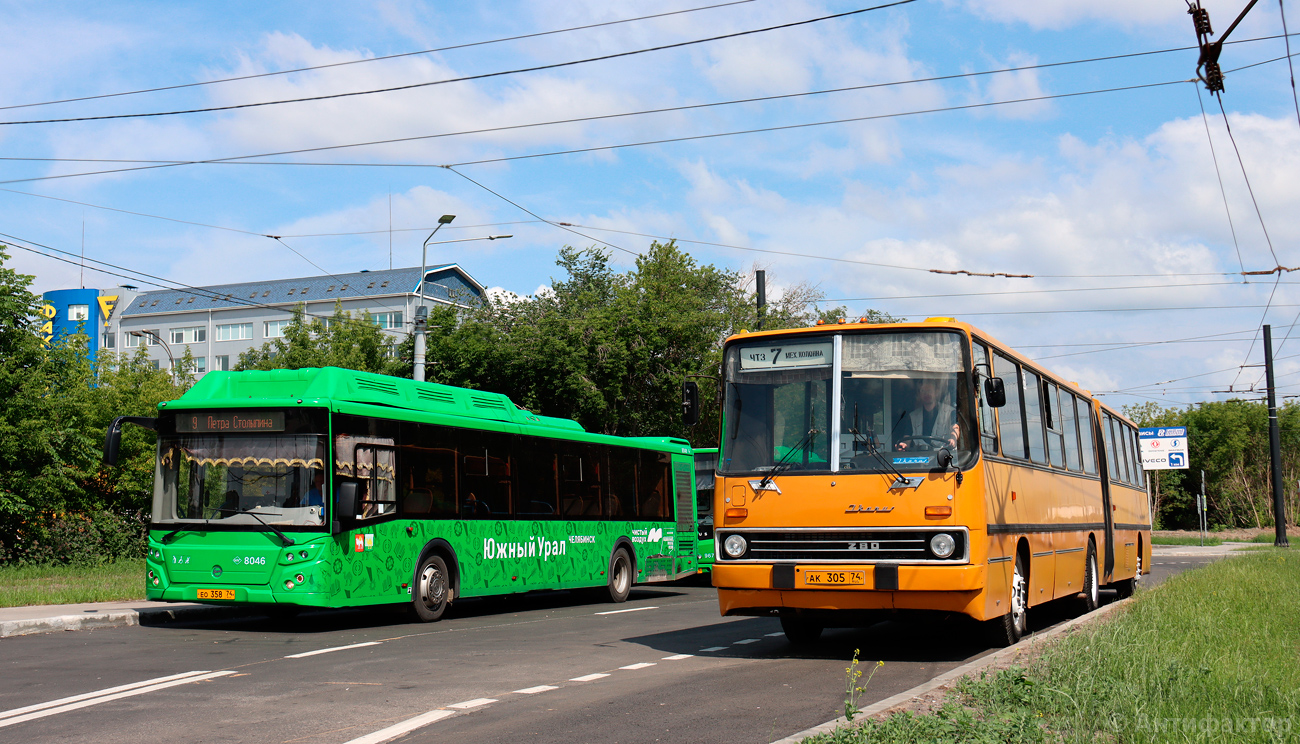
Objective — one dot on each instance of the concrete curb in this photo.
(120, 619)
(889, 704)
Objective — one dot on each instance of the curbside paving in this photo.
(889, 704)
(108, 615)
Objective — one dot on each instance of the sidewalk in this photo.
(1226, 548)
(16, 621)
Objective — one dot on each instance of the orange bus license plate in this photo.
(216, 594)
(835, 578)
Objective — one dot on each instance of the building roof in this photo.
(446, 283)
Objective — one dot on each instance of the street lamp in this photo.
(166, 348)
(422, 312)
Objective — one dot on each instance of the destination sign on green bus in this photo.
(227, 422)
(780, 356)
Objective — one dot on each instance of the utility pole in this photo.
(1274, 445)
(760, 278)
(1202, 508)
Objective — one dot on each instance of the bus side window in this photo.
(1086, 439)
(1070, 431)
(427, 471)
(1011, 427)
(537, 478)
(1108, 436)
(486, 477)
(988, 424)
(653, 489)
(1135, 450)
(376, 472)
(1052, 421)
(1034, 417)
(621, 494)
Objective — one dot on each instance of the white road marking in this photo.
(630, 609)
(641, 665)
(104, 698)
(476, 702)
(97, 693)
(774, 635)
(332, 650)
(588, 677)
(678, 657)
(410, 724)
(747, 640)
(713, 648)
(537, 689)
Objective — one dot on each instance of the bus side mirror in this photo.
(346, 500)
(113, 437)
(995, 392)
(690, 403)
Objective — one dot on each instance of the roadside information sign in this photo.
(1164, 448)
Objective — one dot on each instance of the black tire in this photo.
(620, 576)
(1127, 587)
(1090, 598)
(432, 589)
(800, 631)
(1011, 627)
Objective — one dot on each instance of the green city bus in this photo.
(706, 464)
(334, 488)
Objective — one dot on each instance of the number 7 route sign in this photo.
(1164, 448)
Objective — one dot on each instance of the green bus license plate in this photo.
(835, 578)
(216, 594)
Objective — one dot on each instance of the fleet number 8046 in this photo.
(251, 560)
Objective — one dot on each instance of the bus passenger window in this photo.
(1108, 437)
(653, 489)
(1134, 449)
(1034, 417)
(620, 502)
(1086, 438)
(1010, 424)
(537, 477)
(1070, 429)
(1052, 421)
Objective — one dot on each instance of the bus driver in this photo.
(932, 422)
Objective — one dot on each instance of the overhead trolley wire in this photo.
(467, 78)
(365, 60)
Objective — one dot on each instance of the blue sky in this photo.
(1072, 190)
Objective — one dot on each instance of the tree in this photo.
(344, 340)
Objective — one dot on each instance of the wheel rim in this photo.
(620, 575)
(1019, 598)
(433, 587)
(1138, 576)
(1093, 589)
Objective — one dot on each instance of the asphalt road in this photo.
(664, 667)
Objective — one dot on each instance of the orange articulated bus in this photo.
(866, 469)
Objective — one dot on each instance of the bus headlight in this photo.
(734, 545)
(942, 545)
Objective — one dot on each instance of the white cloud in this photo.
(1058, 14)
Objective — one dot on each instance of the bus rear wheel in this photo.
(620, 576)
(431, 589)
(1126, 587)
(1091, 590)
(800, 631)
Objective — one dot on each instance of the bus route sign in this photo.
(1164, 447)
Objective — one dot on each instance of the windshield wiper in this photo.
(785, 463)
(287, 540)
(874, 446)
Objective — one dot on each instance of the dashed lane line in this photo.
(640, 665)
(305, 654)
(105, 696)
(747, 640)
(405, 727)
(713, 648)
(630, 609)
(97, 693)
(677, 657)
(588, 677)
(475, 703)
(774, 635)
(535, 690)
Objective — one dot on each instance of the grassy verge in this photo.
(1208, 656)
(1158, 540)
(37, 585)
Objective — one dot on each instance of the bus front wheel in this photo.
(1091, 594)
(620, 576)
(431, 589)
(1010, 628)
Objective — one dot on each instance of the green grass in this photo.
(1267, 537)
(1211, 655)
(38, 585)
(1158, 540)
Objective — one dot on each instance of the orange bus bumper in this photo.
(744, 588)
